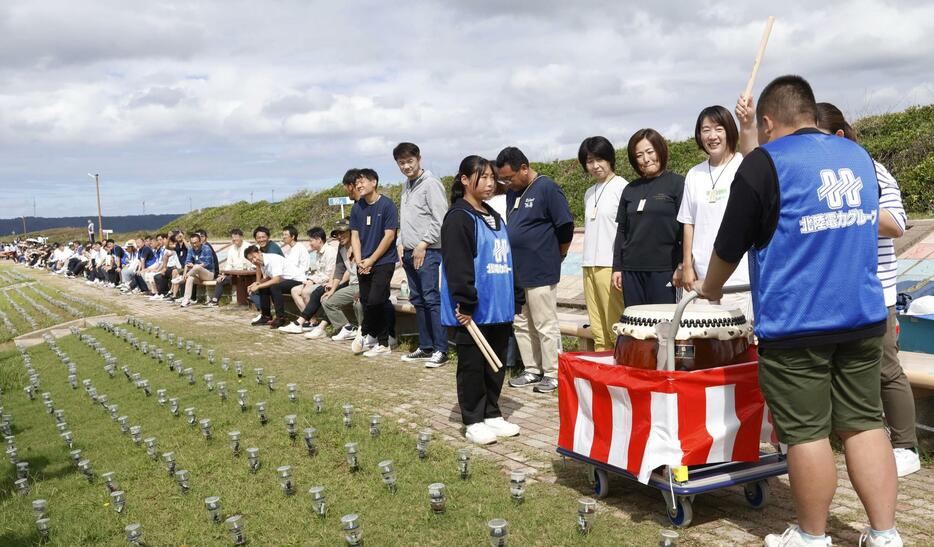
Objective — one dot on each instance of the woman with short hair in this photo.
(601, 204)
(647, 249)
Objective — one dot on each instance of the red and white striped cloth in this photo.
(638, 420)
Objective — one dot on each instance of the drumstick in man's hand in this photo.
(755, 67)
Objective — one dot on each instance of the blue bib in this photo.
(493, 278)
(818, 272)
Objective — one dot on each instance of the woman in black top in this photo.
(647, 249)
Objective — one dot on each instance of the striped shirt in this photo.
(890, 199)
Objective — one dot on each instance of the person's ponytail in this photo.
(457, 189)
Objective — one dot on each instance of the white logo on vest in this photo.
(835, 188)
(500, 251)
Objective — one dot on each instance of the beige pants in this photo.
(197, 274)
(604, 306)
(538, 334)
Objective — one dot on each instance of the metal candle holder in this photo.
(310, 440)
(211, 356)
(388, 473)
(206, 431)
(75, 456)
(151, 448)
(463, 462)
(173, 406)
(318, 501)
(190, 374)
(353, 532)
(144, 383)
(22, 470)
(190, 416)
(118, 500)
(169, 459)
(586, 511)
(179, 368)
(199, 349)
(436, 499)
(292, 390)
(209, 381)
(235, 527)
(241, 399)
(319, 402)
(134, 534)
(252, 455)
(284, 473)
(290, 426)
(182, 478)
(73, 381)
(114, 411)
(259, 376)
(22, 486)
(124, 422)
(136, 434)
(85, 467)
(353, 463)
(109, 482)
(160, 397)
(213, 506)
(517, 486)
(374, 425)
(261, 412)
(499, 531)
(238, 368)
(271, 383)
(40, 508)
(347, 410)
(68, 438)
(233, 438)
(225, 364)
(43, 527)
(421, 444)
(222, 390)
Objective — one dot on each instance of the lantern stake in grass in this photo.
(586, 511)
(318, 501)
(252, 455)
(353, 532)
(213, 506)
(285, 479)
(118, 500)
(233, 438)
(235, 527)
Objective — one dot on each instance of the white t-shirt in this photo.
(891, 201)
(274, 265)
(703, 205)
(601, 202)
(498, 203)
(298, 257)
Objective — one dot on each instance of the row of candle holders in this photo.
(27, 316)
(71, 310)
(34, 303)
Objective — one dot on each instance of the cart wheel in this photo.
(601, 483)
(682, 513)
(757, 493)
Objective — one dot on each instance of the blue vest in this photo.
(493, 277)
(818, 272)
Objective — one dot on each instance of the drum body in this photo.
(708, 337)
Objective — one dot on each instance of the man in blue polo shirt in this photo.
(541, 227)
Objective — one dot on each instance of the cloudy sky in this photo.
(207, 102)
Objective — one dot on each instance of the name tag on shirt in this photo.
(641, 206)
(368, 220)
(593, 213)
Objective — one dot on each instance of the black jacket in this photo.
(458, 251)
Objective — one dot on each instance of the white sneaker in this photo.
(480, 433)
(346, 333)
(369, 341)
(257, 318)
(501, 427)
(357, 346)
(156, 297)
(393, 343)
(291, 328)
(891, 541)
(792, 537)
(906, 461)
(377, 351)
(317, 332)
(184, 303)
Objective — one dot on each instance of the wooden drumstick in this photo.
(484, 346)
(755, 67)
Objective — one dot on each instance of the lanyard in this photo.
(515, 206)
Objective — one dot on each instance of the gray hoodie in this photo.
(424, 204)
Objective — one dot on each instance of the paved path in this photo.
(419, 396)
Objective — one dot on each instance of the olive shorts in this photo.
(815, 390)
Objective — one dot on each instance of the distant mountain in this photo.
(117, 224)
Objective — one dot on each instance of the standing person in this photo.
(278, 277)
(478, 285)
(647, 250)
(422, 210)
(91, 231)
(373, 225)
(601, 202)
(898, 402)
(820, 309)
(235, 261)
(706, 190)
(541, 227)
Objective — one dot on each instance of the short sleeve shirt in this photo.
(370, 221)
(532, 219)
(274, 265)
(601, 202)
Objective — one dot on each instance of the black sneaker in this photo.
(211, 303)
(417, 355)
(262, 321)
(526, 379)
(547, 385)
(438, 359)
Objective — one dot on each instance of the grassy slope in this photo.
(902, 141)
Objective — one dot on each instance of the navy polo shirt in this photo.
(533, 217)
(370, 222)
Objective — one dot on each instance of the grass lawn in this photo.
(80, 512)
(50, 315)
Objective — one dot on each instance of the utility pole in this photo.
(100, 216)
(251, 197)
(190, 208)
(273, 196)
(144, 207)
(24, 224)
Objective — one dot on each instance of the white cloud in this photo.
(226, 97)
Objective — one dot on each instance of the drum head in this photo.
(713, 322)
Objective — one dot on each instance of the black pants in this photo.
(374, 296)
(219, 287)
(314, 303)
(275, 292)
(162, 280)
(648, 288)
(478, 387)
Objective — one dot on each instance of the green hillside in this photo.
(903, 142)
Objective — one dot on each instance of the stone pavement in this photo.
(418, 397)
